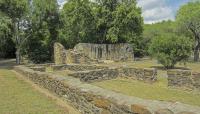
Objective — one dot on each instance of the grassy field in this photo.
(156, 91)
(19, 97)
(154, 64)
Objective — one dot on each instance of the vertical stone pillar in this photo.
(59, 54)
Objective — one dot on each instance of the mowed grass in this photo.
(157, 91)
(18, 97)
(154, 64)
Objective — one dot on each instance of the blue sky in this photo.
(157, 10)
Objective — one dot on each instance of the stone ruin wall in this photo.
(92, 73)
(90, 99)
(59, 54)
(116, 52)
(146, 75)
(184, 78)
(91, 53)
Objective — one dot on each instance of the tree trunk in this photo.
(196, 55)
(17, 40)
(196, 51)
(18, 56)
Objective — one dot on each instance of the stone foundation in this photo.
(91, 73)
(184, 78)
(77, 67)
(90, 99)
(147, 75)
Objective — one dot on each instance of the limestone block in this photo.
(139, 109)
(164, 111)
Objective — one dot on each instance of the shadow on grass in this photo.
(163, 68)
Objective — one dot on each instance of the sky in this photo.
(156, 10)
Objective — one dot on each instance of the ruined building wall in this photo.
(59, 54)
(91, 53)
(115, 52)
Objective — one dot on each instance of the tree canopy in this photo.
(170, 49)
(16, 10)
(7, 46)
(32, 26)
(101, 21)
(188, 20)
(43, 23)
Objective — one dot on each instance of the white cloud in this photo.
(155, 10)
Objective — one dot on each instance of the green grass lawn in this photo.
(156, 91)
(153, 63)
(19, 97)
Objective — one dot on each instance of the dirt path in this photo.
(7, 65)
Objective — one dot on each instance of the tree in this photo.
(43, 23)
(77, 23)
(170, 49)
(16, 11)
(7, 46)
(118, 21)
(155, 30)
(101, 21)
(188, 20)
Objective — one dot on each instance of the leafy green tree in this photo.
(188, 20)
(101, 21)
(118, 21)
(43, 23)
(170, 49)
(16, 11)
(77, 23)
(7, 46)
(152, 31)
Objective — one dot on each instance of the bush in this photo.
(170, 49)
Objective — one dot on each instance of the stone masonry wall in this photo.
(184, 78)
(63, 56)
(90, 73)
(116, 52)
(89, 99)
(91, 53)
(59, 54)
(147, 75)
(77, 67)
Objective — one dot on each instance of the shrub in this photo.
(170, 49)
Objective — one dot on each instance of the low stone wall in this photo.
(147, 75)
(184, 78)
(96, 75)
(77, 67)
(90, 99)
(90, 73)
(143, 74)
